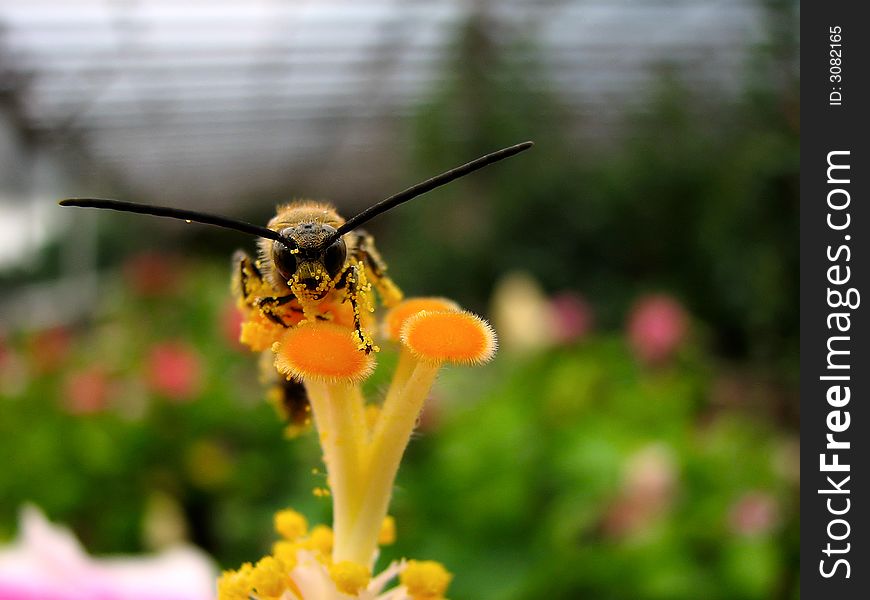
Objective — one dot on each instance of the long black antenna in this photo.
(426, 186)
(175, 213)
(351, 224)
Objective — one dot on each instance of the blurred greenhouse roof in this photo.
(195, 99)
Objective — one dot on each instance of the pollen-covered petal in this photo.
(322, 352)
(451, 336)
(425, 579)
(400, 313)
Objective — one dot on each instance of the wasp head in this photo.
(310, 259)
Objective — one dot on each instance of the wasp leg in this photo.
(352, 282)
(268, 305)
(247, 279)
(367, 253)
(254, 293)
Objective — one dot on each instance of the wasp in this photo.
(316, 265)
(309, 256)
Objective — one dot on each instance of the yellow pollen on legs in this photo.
(258, 333)
(363, 341)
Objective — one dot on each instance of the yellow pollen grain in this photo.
(425, 579)
(235, 585)
(269, 577)
(349, 577)
(322, 352)
(290, 524)
(285, 553)
(454, 336)
(320, 540)
(396, 318)
(387, 534)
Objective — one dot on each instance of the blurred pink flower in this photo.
(49, 348)
(152, 273)
(572, 317)
(46, 562)
(231, 325)
(174, 370)
(649, 484)
(754, 513)
(13, 369)
(657, 325)
(86, 391)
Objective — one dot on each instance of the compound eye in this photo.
(284, 256)
(334, 257)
